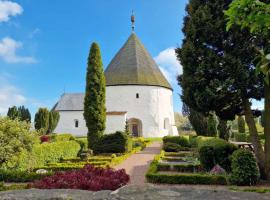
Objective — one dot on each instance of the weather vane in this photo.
(133, 21)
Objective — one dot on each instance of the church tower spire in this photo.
(133, 21)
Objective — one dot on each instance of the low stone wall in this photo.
(132, 193)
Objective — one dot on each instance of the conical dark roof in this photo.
(133, 65)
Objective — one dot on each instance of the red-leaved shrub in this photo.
(44, 138)
(87, 178)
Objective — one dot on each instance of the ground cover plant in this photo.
(87, 178)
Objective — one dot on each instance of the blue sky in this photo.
(44, 46)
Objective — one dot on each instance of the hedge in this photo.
(54, 152)
(117, 142)
(240, 137)
(187, 179)
(153, 176)
(20, 176)
(180, 140)
(61, 137)
(179, 167)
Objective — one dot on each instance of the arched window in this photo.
(76, 123)
(166, 123)
(137, 95)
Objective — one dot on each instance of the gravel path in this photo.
(137, 164)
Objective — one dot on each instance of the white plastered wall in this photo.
(153, 106)
(66, 123)
(115, 123)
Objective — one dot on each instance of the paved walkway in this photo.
(137, 164)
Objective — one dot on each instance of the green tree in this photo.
(223, 129)
(218, 66)
(16, 141)
(212, 126)
(42, 120)
(94, 100)
(196, 119)
(24, 114)
(255, 15)
(53, 121)
(241, 124)
(13, 113)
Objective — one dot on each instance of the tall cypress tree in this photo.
(54, 117)
(241, 124)
(42, 120)
(218, 66)
(94, 100)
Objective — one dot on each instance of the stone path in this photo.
(137, 164)
(133, 192)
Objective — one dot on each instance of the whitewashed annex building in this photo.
(136, 92)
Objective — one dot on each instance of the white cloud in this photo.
(169, 64)
(9, 9)
(9, 95)
(8, 52)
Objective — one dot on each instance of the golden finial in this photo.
(133, 21)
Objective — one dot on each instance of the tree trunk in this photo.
(223, 129)
(267, 129)
(254, 137)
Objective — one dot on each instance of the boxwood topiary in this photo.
(244, 168)
(216, 151)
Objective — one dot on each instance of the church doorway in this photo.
(135, 127)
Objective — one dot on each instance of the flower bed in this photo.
(87, 178)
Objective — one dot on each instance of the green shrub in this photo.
(171, 147)
(20, 176)
(179, 167)
(61, 137)
(240, 137)
(241, 124)
(244, 168)
(113, 143)
(196, 141)
(16, 143)
(54, 152)
(216, 151)
(180, 140)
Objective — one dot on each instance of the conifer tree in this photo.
(241, 124)
(24, 114)
(42, 120)
(53, 121)
(212, 126)
(13, 113)
(94, 100)
(218, 66)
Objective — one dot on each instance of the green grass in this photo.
(250, 189)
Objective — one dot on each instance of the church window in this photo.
(166, 123)
(76, 123)
(137, 95)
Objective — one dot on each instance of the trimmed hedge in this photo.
(173, 147)
(179, 167)
(216, 151)
(153, 176)
(20, 176)
(54, 152)
(62, 137)
(180, 140)
(117, 142)
(187, 179)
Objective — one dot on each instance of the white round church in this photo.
(136, 93)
